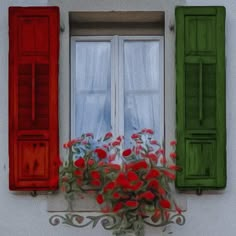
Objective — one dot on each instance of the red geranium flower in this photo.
(164, 203)
(91, 162)
(163, 160)
(127, 152)
(169, 174)
(132, 176)
(173, 143)
(109, 186)
(154, 142)
(174, 167)
(95, 174)
(114, 166)
(100, 199)
(148, 131)
(135, 136)
(108, 135)
(95, 182)
(136, 186)
(152, 156)
(161, 151)
(118, 206)
(73, 141)
(107, 170)
(123, 196)
(116, 195)
(78, 172)
(80, 163)
(131, 203)
(173, 155)
(161, 190)
(115, 143)
(65, 145)
(140, 165)
(154, 184)
(148, 195)
(119, 138)
(100, 153)
(123, 183)
(120, 177)
(101, 163)
(153, 173)
(89, 135)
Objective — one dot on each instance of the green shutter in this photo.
(200, 75)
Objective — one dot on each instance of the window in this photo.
(117, 84)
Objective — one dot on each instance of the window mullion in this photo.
(113, 82)
(72, 88)
(120, 89)
(162, 91)
(115, 86)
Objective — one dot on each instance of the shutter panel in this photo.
(33, 97)
(200, 74)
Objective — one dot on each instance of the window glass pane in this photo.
(142, 111)
(93, 63)
(93, 88)
(93, 114)
(142, 102)
(141, 60)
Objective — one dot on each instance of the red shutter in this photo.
(33, 97)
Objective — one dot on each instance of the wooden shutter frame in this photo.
(53, 138)
(220, 137)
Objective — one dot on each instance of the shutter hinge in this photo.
(172, 27)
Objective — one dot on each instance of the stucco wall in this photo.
(210, 214)
(213, 213)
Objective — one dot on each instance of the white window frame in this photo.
(117, 79)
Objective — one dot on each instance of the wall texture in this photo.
(210, 214)
(213, 213)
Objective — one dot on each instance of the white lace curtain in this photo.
(142, 87)
(93, 88)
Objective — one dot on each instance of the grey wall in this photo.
(207, 215)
